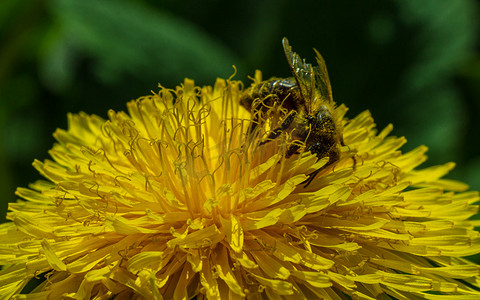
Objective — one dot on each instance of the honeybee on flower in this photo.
(168, 201)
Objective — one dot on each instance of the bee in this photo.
(307, 98)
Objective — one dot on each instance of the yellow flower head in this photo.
(175, 199)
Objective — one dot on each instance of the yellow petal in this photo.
(52, 258)
(316, 279)
(280, 286)
(197, 239)
(234, 232)
(226, 274)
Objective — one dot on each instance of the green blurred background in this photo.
(415, 64)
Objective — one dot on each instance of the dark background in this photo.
(415, 64)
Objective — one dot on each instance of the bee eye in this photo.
(320, 115)
(323, 113)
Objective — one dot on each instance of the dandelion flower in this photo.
(173, 200)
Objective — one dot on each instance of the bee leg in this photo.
(292, 149)
(333, 154)
(253, 125)
(353, 155)
(311, 177)
(285, 124)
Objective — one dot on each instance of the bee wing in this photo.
(304, 74)
(322, 81)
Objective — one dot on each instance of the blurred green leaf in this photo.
(472, 174)
(128, 38)
(443, 34)
(436, 120)
(57, 64)
(7, 10)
